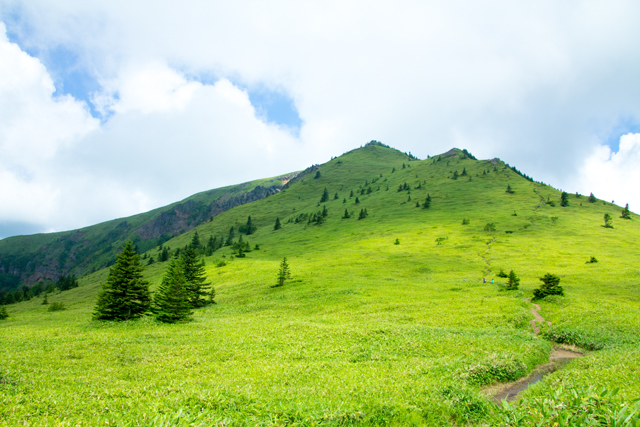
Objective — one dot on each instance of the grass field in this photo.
(367, 332)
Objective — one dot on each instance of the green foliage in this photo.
(513, 282)
(490, 227)
(626, 213)
(550, 286)
(592, 260)
(363, 213)
(3, 313)
(494, 369)
(592, 198)
(196, 287)
(56, 306)
(427, 202)
(509, 190)
(346, 214)
(277, 225)
(397, 242)
(65, 283)
(45, 299)
(195, 241)
(465, 221)
(171, 302)
(564, 199)
(284, 273)
(502, 274)
(318, 175)
(571, 406)
(440, 240)
(357, 201)
(608, 222)
(325, 196)
(125, 295)
(248, 228)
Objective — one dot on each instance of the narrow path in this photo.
(537, 317)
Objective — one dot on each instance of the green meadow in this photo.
(367, 331)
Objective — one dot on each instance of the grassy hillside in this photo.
(367, 332)
(27, 259)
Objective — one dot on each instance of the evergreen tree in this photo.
(351, 194)
(45, 300)
(248, 228)
(357, 201)
(626, 214)
(564, 199)
(550, 286)
(325, 212)
(346, 215)
(417, 204)
(196, 286)
(344, 200)
(195, 241)
(509, 190)
(592, 198)
(318, 175)
(277, 226)
(3, 313)
(151, 260)
(325, 196)
(164, 255)
(125, 295)
(229, 241)
(513, 282)
(284, 273)
(607, 221)
(464, 172)
(427, 202)
(335, 197)
(171, 301)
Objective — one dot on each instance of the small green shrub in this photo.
(502, 274)
(3, 313)
(397, 242)
(465, 405)
(550, 286)
(562, 335)
(221, 263)
(56, 306)
(490, 227)
(592, 260)
(493, 370)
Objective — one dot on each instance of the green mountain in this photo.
(28, 259)
(395, 314)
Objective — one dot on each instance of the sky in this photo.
(112, 108)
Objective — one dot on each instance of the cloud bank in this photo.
(541, 86)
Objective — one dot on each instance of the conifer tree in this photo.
(325, 212)
(277, 226)
(607, 221)
(284, 273)
(346, 215)
(351, 194)
(3, 313)
(513, 282)
(318, 175)
(550, 286)
(464, 172)
(357, 201)
(427, 202)
(417, 204)
(195, 241)
(509, 190)
(344, 200)
(164, 255)
(335, 197)
(626, 214)
(45, 300)
(196, 285)
(125, 295)
(325, 196)
(592, 198)
(564, 199)
(171, 301)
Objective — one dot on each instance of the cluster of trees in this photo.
(25, 293)
(125, 295)
(550, 284)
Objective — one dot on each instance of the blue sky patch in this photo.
(276, 107)
(624, 126)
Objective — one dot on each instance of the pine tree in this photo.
(592, 198)
(277, 226)
(45, 300)
(417, 204)
(427, 202)
(357, 201)
(125, 295)
(335, 196)
(196, 286)
(325, 196)
(3, 313)
(550, 286)
(509, 190)
(351, 194)
(164, 255)
(171, 301)
(318, 175)
(325, 212)
(513, 282)
(626, 214)
(346, 215)
(195, 241)
(284, 273)
(564, 199)
(464, 172)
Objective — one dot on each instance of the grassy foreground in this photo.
(367, 332)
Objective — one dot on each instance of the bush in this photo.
(550, 286)
(592, 260)
(3, 313)
(502, 274)
(490, 227)
(56, 306)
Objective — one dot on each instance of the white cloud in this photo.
(531, 83)
(613, 176)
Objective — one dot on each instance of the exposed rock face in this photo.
(185, 216)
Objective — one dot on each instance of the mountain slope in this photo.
(28, 259)
(367, 332)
